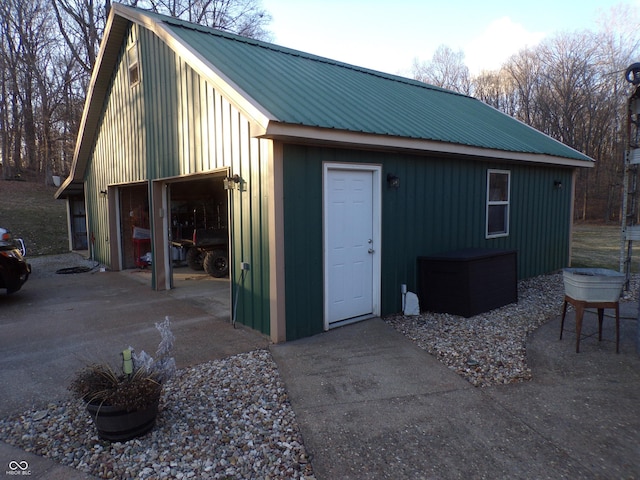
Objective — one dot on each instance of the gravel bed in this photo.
(490, 348)
(223, 419)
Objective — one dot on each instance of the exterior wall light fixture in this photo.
(231, 183)
(393, 181)
(557, 184)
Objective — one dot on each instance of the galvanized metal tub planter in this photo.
(116, 424)
(593, 284)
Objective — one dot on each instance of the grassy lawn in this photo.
(29, 210)
(598, 246)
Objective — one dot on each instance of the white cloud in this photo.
(501, 39)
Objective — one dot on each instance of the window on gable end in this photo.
(498, 201)
(134, 65)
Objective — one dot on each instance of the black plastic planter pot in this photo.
(117, 425)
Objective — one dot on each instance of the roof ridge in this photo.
(177, 22)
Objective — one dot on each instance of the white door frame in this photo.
(376, 206)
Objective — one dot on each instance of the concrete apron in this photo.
(370, 404)
(55, 325)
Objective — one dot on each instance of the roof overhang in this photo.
(301, 134)
(70, 188)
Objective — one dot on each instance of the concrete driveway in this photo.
(56, 323)
(370, 404)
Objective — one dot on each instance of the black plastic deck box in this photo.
(467, 282)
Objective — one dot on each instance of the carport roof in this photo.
(289, 94)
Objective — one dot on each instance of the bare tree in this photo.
(48, 49)
(497, 88)
(35, 33)
(243, 17)
(4, 114)
(566, 85)
(81, 24)
(618, 46)
(524, 69)
(10, 49)
(30, 81)
(446, 69)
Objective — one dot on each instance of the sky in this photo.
(389, 35)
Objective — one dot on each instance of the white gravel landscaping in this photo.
(219, 420)
(490, 348)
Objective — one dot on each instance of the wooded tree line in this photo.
(47, 51)
(571, 86)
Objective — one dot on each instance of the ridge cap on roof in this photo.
(180, 23)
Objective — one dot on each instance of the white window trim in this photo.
(501, 202)
(135, 64)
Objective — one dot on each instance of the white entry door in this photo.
(351, 233)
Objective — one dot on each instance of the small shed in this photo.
(330, 179)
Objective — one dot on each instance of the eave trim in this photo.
(322, 136)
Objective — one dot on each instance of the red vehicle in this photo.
(14, 270)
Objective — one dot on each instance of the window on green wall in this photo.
(134, 65)
(498, 196)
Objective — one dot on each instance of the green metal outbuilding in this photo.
(337, 178)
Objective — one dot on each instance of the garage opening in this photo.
(134, 224)
(199, 225)
(192, 244)
(199, 241)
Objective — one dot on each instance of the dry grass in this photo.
(29, 210)
(596, 245)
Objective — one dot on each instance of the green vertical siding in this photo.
(119, 151)
(188, 120)
(302, 180)
(193, 129)
(174, 123)
(160, 82)
(440, 206)
(250, 234)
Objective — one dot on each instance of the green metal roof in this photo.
(304, 89)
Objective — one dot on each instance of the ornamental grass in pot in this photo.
(123, 403)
